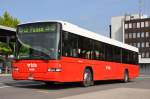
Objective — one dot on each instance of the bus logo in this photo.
(31, 65)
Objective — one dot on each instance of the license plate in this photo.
(30, 78)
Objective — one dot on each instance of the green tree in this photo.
(7, 20)
(5, 49)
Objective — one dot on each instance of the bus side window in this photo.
(125, 56)
(99, 51)
(87, 55)
(85, 46)
(64, 44)
(88, 48)
(117, 54)
(96, 50)
(69, 45)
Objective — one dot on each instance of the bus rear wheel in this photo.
(126, 76)
(87, 78)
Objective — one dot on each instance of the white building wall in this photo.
(117, 28)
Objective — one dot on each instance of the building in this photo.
(7, 35)
(117, 25)
(134, 30)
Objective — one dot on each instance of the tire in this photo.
(49, 83)
(126, 76)
(87, 78)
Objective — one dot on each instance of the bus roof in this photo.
(66, 26)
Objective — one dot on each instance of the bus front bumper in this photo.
(49, 76)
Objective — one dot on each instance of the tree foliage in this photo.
(5, 49)
(7, 20)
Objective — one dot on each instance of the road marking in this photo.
(43, 91)
(4, 87)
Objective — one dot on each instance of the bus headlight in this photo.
(54, 70)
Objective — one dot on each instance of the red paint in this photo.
(72, 69)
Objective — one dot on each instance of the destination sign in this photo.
(37, 28)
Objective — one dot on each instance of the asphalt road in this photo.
(137, 88)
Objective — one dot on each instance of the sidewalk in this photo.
(118, 93)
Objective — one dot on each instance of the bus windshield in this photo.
(37, 41)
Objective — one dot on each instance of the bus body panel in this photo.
(73, 50)
(72, 70)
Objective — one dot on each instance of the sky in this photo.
(94, 15)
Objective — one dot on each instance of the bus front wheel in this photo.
(87, 78)
(49, 83)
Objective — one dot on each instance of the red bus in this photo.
(58, 51)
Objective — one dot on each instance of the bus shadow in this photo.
(41, 85)
(58, 86)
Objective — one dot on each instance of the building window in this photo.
(138, 45)
(147, 44)
(130, 25)
(126, 26)
(147, 54)
(146, 24)
(134, 25)
(139, 53)
(134, 44)
(142, 34)
(142, 44)
(142, 24)
(130, 35)
(134, 35)
(126, 36)
(130, 44)
(138, 35)
(147, 34)
(142, 54)
(138, 24)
